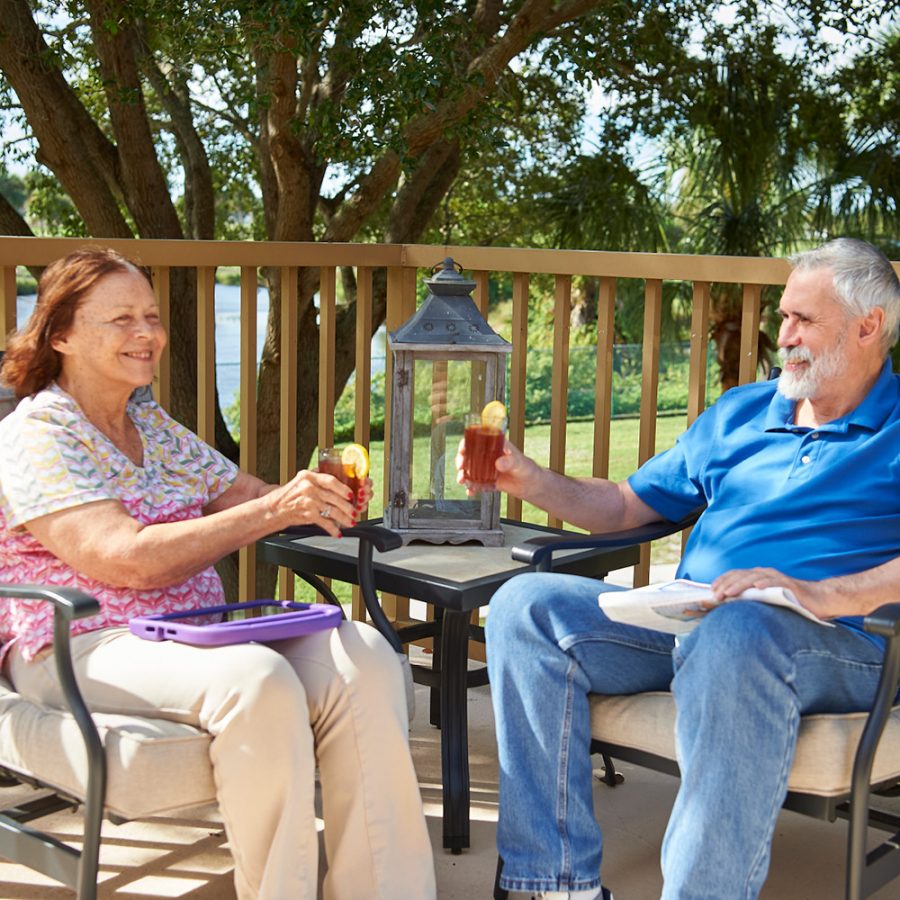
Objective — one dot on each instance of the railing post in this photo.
(162, 384)
(327, 335)
(750, 314)
(699, 349)
(649, 387)
(287, 403)
(606, 310)
(362, 397)
(247, 554)
(697, 365)
(7, 303)
(206, 354)
(562, 311)
(517, 369)
(363, 383)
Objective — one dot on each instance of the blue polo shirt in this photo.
(812, 503)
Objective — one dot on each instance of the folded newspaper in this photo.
(677, 606)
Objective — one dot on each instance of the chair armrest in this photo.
(884, 621)
(371, 538)
(70, 604)
(538, 551)
(383, 539)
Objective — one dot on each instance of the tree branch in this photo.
(60, 122)
(199, 198)
(11, 223)
(533, 18)
(143, 180)
(290, 179)
(421, 192)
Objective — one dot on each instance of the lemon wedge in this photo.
(494, 415)
(357, 456)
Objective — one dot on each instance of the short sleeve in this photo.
(671, 482)
(47, 464)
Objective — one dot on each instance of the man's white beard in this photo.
(805, 384)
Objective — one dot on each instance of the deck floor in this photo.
(188, 857)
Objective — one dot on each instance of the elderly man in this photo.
(800, 480)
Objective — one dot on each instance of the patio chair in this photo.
(842, 761)
(114, 766)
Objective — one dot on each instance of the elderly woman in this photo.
(118, 499)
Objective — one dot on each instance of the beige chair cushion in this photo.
(825, 750)
(153, 766)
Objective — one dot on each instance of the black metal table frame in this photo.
(449, 677)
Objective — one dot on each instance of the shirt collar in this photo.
(870, 414)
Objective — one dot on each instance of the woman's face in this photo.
(116, 335)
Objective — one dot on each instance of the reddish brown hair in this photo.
(30, 363)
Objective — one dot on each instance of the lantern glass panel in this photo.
(444, 391)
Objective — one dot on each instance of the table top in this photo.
(454, 576)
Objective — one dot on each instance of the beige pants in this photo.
(333, 699)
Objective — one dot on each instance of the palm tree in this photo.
(740, 161)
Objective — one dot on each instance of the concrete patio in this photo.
(188, 857)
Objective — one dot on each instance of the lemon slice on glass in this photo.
(357, 456)
(494, 415)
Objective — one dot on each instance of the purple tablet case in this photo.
(300, 618)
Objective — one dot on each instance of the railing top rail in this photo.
(38, 251)
(665, 266)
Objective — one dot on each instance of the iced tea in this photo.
(483, 447)
(330, 463)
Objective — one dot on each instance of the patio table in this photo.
(456, 579)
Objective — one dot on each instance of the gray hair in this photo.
(863, 279)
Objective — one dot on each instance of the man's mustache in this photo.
(795, 354)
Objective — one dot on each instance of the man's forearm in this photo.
(594, 504)
(862, 592)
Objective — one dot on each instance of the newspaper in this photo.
(677, 606)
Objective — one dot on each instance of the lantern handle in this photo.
(446, 265)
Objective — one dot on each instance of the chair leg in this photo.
(499, 892)
(610, 775)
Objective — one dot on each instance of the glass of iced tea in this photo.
(483, 447)
(340, 464)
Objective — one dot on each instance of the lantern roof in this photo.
(448, 316)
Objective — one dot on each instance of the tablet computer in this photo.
(211, 627)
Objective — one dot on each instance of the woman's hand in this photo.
(316, 498)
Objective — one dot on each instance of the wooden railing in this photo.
(404, 264)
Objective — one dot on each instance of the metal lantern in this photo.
(447, 362)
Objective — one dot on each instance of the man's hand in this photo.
(813, 595)
(595, 504)
(514, 471)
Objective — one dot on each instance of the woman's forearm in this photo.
(107, 544)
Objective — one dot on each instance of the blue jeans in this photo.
(741, 681)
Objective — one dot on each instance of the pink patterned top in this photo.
(53, 458)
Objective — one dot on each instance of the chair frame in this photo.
(865, 872)
(22, 843)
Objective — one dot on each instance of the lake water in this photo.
(228, 335)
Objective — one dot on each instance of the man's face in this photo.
(813, 335)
